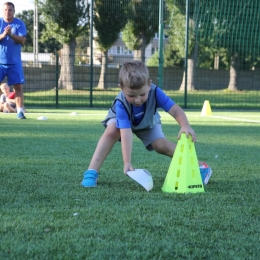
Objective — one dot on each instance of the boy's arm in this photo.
(126, 143)
(178, 114)
(10, 100)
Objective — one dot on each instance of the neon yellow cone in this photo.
(206, 109)
(184, 175)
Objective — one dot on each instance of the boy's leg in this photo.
(8, 107)
(105, 144)
(163, 146)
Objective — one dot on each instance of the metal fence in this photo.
(196, 50)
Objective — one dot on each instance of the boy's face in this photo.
(136, 97)
(5, 89)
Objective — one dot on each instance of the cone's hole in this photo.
(190, 148)
(192, 160)
(193, 173)
(180, 160)
(176, 185)
(182, 148)
(178, 173)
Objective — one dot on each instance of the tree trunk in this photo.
(102, 84)
(67, 60)
(137, 55)
(233, 73)
(192, 61)
(140, 53)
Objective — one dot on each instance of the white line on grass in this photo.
(236, 119)
(222, 117)
(162, 114)
(64, 114)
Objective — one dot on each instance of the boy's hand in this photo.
(188, 131)
(179, 115)
(128, 167)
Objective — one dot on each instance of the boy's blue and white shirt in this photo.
(139, 118)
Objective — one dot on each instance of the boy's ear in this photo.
(119, 86)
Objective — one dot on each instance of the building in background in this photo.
(119, 53)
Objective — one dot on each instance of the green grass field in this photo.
(219, 99)
(46, 214)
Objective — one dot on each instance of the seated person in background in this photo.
(7, 99)
(1, 104)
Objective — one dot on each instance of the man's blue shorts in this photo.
(14, 73)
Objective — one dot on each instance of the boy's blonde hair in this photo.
(134, 74)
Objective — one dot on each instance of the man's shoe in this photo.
(90, 179)
(20, 115)
(206, 173)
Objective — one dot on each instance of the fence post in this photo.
(186, 53)
(91, 53)
(57, 79)
(161, 34)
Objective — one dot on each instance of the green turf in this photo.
(46, 214)
(219, 99)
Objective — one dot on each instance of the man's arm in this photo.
(15, 37)
(3, 35)
(18, 39)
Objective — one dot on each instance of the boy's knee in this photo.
(163, 146)
(160, 149)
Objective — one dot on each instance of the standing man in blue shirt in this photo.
(12, 37)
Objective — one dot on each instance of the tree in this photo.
(177, 33)
(65, 20)
(82, 43)
(175, 49)
(237, 28)
(231, 29)
(110, 18)
(143, 23)
(44, 46)
(27, 17)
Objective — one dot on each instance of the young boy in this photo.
(135, 111)
(7, 99)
